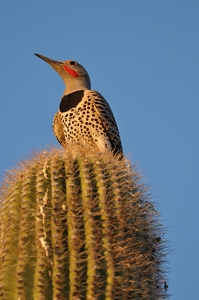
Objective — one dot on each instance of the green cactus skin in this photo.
(78, 227)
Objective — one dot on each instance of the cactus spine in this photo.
(78, 227)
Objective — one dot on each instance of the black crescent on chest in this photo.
(71, 100)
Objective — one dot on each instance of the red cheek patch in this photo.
(70, 71)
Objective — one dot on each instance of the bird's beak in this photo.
(57, 65)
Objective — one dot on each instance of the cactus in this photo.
(78, 226)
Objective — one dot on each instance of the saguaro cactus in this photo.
(78, 227)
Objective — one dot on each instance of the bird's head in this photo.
(73, 74)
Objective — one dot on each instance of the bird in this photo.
(84, 116)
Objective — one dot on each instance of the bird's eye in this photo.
(72, 62)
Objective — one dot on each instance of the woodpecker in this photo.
(84, 116)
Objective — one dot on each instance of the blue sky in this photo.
(143, 57)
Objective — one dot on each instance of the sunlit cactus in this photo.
(78, 227)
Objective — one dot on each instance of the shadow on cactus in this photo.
(78, 227)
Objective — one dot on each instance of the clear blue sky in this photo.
(143, 57)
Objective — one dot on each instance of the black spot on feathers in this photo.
(71, 100)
